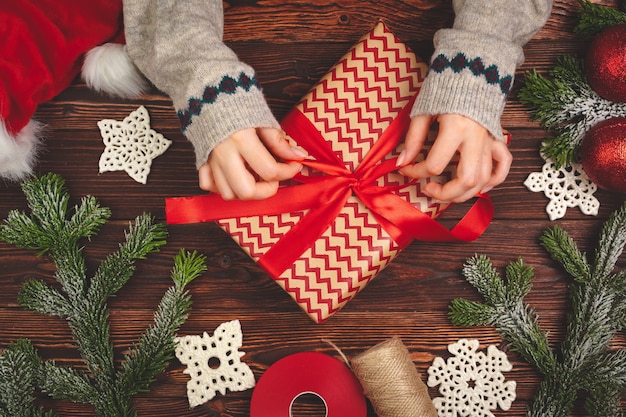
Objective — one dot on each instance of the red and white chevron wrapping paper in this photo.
(352, 105)
(331, 230)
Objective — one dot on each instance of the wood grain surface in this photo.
(291, 45)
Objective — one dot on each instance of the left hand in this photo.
(484, 161)
(244, 166)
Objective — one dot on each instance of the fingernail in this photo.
(401, 157)
(299, 152)
(486, 189)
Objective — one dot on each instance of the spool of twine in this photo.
(391, 381)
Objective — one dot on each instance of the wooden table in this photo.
(291, 45)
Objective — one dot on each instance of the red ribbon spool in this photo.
(308, 373)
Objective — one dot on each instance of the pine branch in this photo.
(48, 200)
(20, 230)
(604, 401)
(87, 219)
(471, 313)
(618, 282)
(597, 304)
(609, 370)
(584, 361)
(64, 383)
(556, 394)
(594, 18)
(143, 237)
(91, 331)
(607, 381)
(187, 267)
(566, 105)
(48, 230)
(156, 346)
(612, 242)
(564, 250)
(19, 369)
(519, 278)
(81, 300)
(39, 297)
(483, 276)
(519, 326)
(505, 309)
(552, 98)
(590, 326)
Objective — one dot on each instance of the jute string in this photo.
(391, 381)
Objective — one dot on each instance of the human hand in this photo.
(243, 165)
(484, 161)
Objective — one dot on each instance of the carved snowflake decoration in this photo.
(214, 364)
(131, 145)
(568, 186)
(471, 382)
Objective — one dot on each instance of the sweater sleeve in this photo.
(474, 63)
(178, 46)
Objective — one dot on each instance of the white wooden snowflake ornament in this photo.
(471, 382)
(214, 364)
(131, 145)
(568, 186)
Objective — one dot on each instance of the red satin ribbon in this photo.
(325, 196)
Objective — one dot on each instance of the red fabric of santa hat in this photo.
(42, 44)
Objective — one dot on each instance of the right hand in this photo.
(484, 161)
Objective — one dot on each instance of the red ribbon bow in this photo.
(325, 196)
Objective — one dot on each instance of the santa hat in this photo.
(44, 44)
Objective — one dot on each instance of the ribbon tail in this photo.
(407, 219)
(212, 207)
(476, 220)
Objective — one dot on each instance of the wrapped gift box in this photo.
(329, 232)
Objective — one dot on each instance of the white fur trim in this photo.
(108, 69)
(18, 153)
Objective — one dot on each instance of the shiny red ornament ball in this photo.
(603, 154)
(605, 64)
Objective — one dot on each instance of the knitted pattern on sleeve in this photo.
(227, 85)
(459, 62)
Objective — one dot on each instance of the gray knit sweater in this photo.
(215, 94)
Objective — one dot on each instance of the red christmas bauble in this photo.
(603, 154)
(605, 64)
